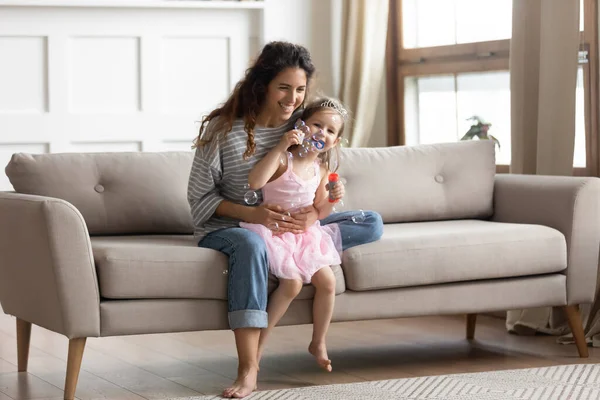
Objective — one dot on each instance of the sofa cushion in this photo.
(168, 267)
(421, 183)
(427, 253)
(117, 193)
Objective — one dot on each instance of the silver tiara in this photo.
(336, 106)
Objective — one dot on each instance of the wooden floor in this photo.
(189, 364)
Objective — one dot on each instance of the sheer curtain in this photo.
(363, 45)
(543, 70)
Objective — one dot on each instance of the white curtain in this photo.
(543, 71)
(543, 74)
(364, 32)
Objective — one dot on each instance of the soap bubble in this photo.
(359, 217)
(274, 226)
(338, 207)
(225, 272)
(251, 197)
(344, 142)
(301, 126)
(302, 153)
(311, 142)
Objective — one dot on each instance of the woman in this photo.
(233, 137)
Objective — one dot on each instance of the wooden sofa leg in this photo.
(577, 329)
(76, 347)
(471, 320)
(23, 339)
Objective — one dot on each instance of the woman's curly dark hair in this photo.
(249, 94)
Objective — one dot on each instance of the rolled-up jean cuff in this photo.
(248, 319)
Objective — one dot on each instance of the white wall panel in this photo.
(100, 76)
(22, 74)
(195, 73)
(104, 74)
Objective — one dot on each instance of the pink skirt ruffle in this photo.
(300, 256)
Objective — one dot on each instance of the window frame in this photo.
(486, 56)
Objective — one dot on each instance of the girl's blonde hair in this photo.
(321, 104)
(249, 94)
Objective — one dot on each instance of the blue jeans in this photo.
(249, 266)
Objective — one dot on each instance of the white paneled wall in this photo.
(94, 76)
(23, 76)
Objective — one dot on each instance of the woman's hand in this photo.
(307, 216)
(274, 218)
(338, 191)
(290, 138)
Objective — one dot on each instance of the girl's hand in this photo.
(290, 138)
(274, 218)
(338, 191)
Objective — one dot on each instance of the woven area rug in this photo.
(571, 382)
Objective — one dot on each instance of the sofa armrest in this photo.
(47, 272)
(570, 205)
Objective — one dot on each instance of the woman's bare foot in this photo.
(244, 384)
(319, 350)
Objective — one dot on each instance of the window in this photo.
(453, 64)
(454, 22)
(437, 107)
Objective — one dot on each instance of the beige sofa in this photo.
(99, 244)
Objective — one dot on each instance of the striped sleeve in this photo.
(205, 176)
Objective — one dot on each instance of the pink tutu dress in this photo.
(297, 256)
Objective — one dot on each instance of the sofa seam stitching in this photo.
(447, 247)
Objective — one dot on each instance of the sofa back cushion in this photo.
(421, 183)
(117, 193)
(129, 193)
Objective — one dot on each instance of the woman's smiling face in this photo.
(285, 94)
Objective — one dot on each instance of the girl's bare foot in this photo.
(319, 350)
(244, 384)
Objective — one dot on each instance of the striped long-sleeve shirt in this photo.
(219, 172)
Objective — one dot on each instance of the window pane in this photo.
(486, 95)
(437, 109)
(581, 15)
(483, 20)
(446, 22)
(458, 21)
(428, 23)
(579, 157)
(411, 110)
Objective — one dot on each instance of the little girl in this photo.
(293, 180)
